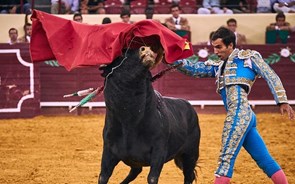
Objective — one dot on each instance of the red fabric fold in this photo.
(75, 45)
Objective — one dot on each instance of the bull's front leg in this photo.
(108, 163)
(157, 161)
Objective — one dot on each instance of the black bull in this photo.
(142, 128)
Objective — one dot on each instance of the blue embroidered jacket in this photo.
(241, 68)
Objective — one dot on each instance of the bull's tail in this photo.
(179, 163)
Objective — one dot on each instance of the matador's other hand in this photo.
(287, 108)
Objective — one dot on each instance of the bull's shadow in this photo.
(142, 128)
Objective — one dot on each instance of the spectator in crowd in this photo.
(286, 6)
(176, 22)
(5, 6)
(92, 7)
(280, 23)
(70, 6)
(83, 7)
(101, 10)
(15, 6)
(232, 25)
(238, 6)
(126, 2)
(78, 17)
(279, 31)
(213, 7)
(106, 20)
(149, 13)
(264, 6)
(55, 6)
(13, 35)
(28, 31)
(125, 16)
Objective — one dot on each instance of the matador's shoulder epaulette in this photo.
(246, 54)
(249, 56)
(215, 62)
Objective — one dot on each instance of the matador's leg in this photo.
(257, 149)
(236, 126)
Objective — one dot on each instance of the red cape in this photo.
(76, 44)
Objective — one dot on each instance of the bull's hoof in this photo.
(152, 180)
(102, 180)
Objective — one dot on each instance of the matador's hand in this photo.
(287, 108)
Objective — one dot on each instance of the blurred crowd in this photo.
(278, 31)
(160, 6)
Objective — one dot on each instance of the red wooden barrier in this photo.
(54, 82)
(19, 83)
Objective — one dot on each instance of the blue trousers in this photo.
(240, 130)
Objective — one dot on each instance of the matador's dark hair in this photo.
(226, 35)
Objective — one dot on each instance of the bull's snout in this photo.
(147, 56)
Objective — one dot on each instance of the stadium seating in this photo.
(138, 6)
(162, 7)
(188, 6)
(113, 6)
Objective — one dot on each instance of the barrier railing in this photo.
(25, 88)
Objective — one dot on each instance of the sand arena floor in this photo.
(67, 150)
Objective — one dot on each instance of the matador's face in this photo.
(221, 50)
